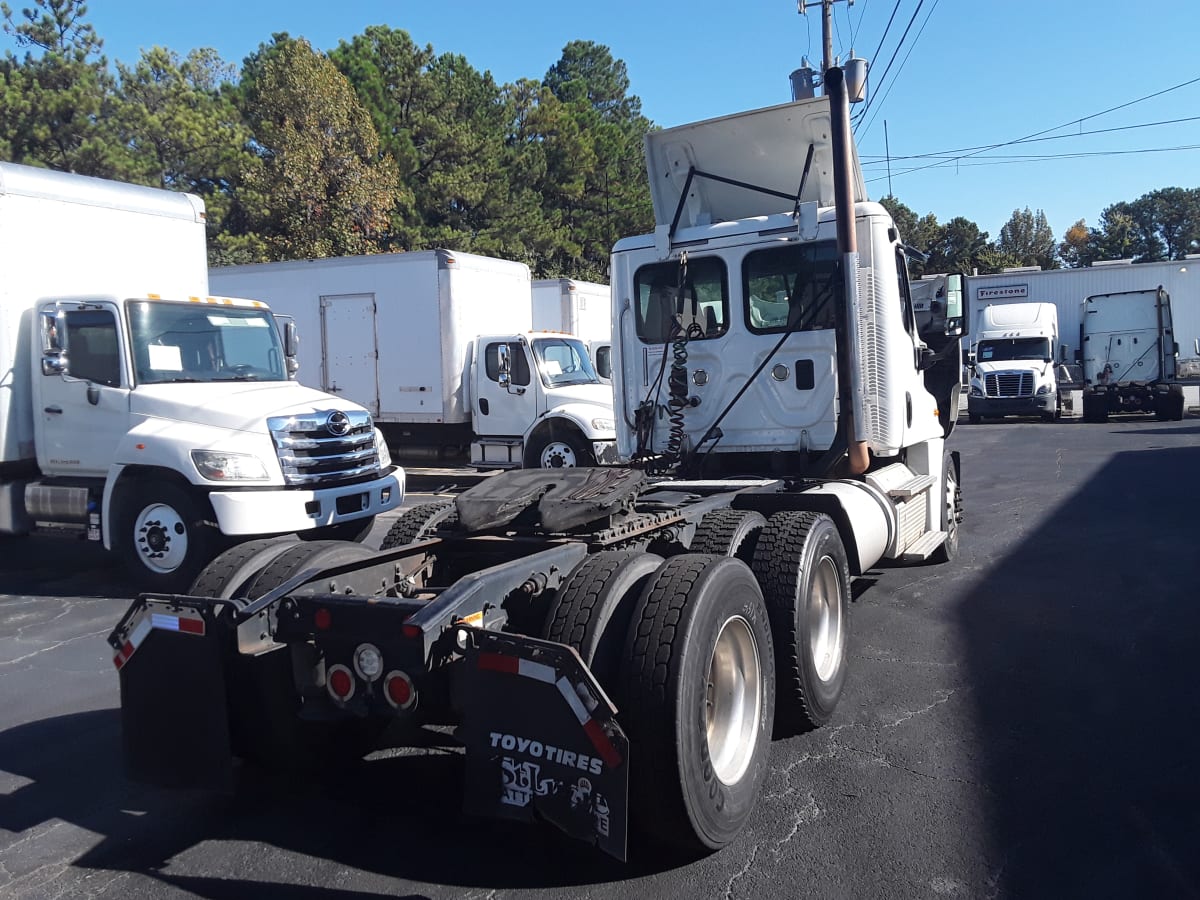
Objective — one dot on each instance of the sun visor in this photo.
(765, 148)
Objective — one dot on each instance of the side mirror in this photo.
(504, 366)
(926, 359)
(54, 362)
(291, 340)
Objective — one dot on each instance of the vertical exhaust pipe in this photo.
(858, 460)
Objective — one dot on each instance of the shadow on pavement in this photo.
(1087, 680)
(395, 817)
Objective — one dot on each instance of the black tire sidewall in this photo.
(719, 811)
(823, 540)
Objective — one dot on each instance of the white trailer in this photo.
(581, 308)
(1012, 362)
(144, 412)
(439, 347)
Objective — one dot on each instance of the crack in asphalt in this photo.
(54, 646)
(746, 868)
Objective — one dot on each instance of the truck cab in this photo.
(539, 403)
(1012, 364)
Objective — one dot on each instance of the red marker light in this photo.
(341, 683)
(399, 690)
(322, 619)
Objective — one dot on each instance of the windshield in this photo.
(180, 342)
(1013, 348)
(563, 361)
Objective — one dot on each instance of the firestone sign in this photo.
(1006, 292)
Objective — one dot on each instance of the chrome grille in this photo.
(1008, 384)
(325, 447)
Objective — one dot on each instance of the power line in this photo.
(948, 155)
(894, 53)
(1057, 127)
(903, 63)
(854, 32)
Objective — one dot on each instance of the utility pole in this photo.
(887, 149)
(826, 28)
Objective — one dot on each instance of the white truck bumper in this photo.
(282, 511)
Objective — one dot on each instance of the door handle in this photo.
(334, 389)
(56, 410)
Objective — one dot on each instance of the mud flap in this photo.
(541, 738)
(174, 724)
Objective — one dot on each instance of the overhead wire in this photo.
(888, 68)
(903, 62)
(1013, 160)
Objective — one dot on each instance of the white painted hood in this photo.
(238, 406)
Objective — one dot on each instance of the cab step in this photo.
(922, 548)
(911, 488)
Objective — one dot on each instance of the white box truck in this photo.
(1128, 351)
(151, 416)
(581, 308)
(1012, 368)
(439, 347)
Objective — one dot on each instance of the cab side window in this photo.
(93, 351)
(908, 313)
(518, 362)
(672, 300)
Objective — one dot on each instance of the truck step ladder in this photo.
(922, 548)
(910, 489)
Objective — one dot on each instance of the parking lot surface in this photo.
(1021, 722)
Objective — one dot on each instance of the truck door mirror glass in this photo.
(291, 340)
(955, 308)
(504, 366)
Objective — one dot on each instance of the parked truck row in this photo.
(145, 414)
(441, 348)
(618, 643)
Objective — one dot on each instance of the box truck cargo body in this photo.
(1013, 370)
(439, 347)
(581, 308)
(140, 410)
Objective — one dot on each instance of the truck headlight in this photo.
(976, 389)
(381, 448)
(216, 465)
(604, 425)
(1043, 389)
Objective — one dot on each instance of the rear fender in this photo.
(174, 724)
(541, 737)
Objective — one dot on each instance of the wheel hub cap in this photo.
(558, 455)
(733, 703)
(161, 538)
(825, 627)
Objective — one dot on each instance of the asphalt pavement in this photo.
(1022, 722)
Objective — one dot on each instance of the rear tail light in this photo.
(322, 619)
(399, 690)
(340, 683)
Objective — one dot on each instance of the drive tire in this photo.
(232, 570)
(729, 532)
(592, 610)
(801, 565)
(164, 534)
(418, 523)
(565, 450)
(703, 748)
(354, 531)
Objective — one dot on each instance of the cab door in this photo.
(82, 411)
(505, 395)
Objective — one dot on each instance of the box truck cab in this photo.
(417, 339)
(581, 308)
(164, 425)
(1012, 370)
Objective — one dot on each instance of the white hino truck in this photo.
(619, 643)
(581, 308)
(1012, 362)
(143, 413)
(440, 347)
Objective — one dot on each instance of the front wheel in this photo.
(951, 508)
(163, 535)
(559, 451)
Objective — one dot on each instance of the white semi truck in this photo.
(1012, 362)
(581, 308)
(1129, 352)
(145, 413)
(440, 347)
(621, 642)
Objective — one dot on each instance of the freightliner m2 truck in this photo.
(619, 643)
(1128, 351)
(420, 340)
(1012, 363)
(145, 414)
(581, 308)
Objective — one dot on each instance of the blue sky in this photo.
(970, 73)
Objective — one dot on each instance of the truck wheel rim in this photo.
(951, 505)
(559, 455)
(734, 700)
(161, 538)
(825, 631)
